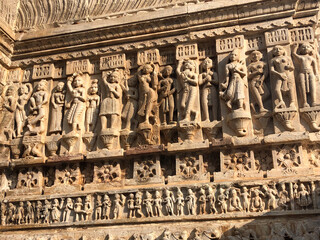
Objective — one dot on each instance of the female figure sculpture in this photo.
(208, 80)
(257, 74)
(93, 103)
(111, 106)
(130, 108)
(8, 109)
(148, 84)
(57, 102)
(166, 98)
(78, 101)
(189, 81)
(24, 92)
(38, 103)
(234, 86)
(281, 66)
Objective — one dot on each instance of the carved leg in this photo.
(313, 90)
(302, 89)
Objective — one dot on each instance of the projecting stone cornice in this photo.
(173, 25)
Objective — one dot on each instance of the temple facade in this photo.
(159, 119)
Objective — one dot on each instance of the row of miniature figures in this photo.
(206, 200)
(150, 96)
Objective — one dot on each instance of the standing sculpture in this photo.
(307, 74)
(93, 103)
(8, 109)
(77, 105)
(208, 81)
(111, 106)
(257, 74)
(57, 104)
(189, 80)
(234, 85)
(148, 82)
(281, 68)
(166, 97)
(24, 92)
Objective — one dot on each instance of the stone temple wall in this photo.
(160, 119)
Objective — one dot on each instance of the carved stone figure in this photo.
(46, 211)
(131, 206)
(257, 203)
(106, 205)
(130, 108)
(189, 81)
(158, 204)
(180, 203)
(78, 209)
(56, 210)
(57, 107)
(77, 105)
(38, 214)
(209, 82)
(118, 203)
(234, 200)
(138, 204)
(88, 209)
(168, 201)
(38, 108)
(308, 73)
(67, 210)
(283, 197)
(8, 110)
(98, 208)
(93, 102)
(11, 214)
(245, 195)
(271, 194)
(234, 85)
(281, 66)
(29, 213)
(24, 93)
(222, 200)
(211, 198)
(20, 213)
(166, 97)
(257, 74)
(191, 202)
(148, 84)
(148, 202)
(303, 197)
(110, 110)
(202, 201)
